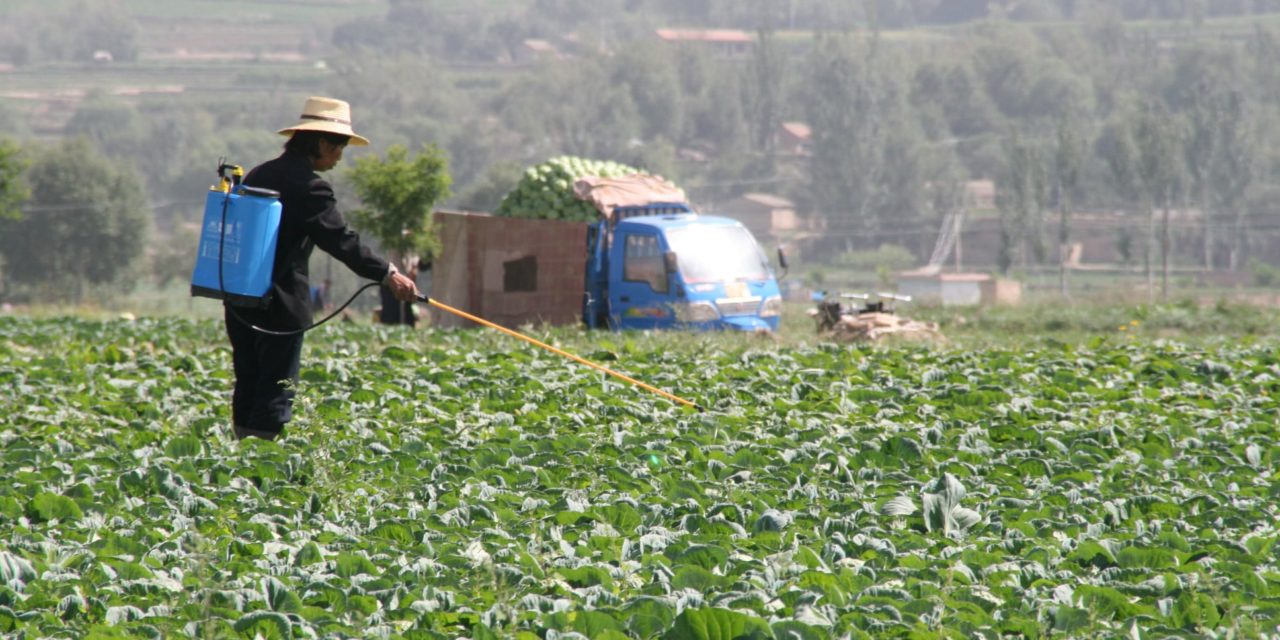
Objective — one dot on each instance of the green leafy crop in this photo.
(456, 484)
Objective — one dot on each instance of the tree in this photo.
(1234, 169)
(399, 194)
(112, 125)
(1021, 201)
(763, 93)
(485, 193)
(73, 33)
(1068, 158)
(851, 100)
(571, 108)
(1160, 170)
(12, 189)
(87, 223)
(652, 81)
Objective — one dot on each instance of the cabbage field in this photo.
(462, 484)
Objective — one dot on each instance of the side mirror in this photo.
(670, 263)
(782, 261)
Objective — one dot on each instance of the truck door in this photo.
(639, 290)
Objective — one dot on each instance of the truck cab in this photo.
(663, 266)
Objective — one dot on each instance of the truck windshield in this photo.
(717, 254)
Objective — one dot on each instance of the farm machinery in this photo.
(868, 317)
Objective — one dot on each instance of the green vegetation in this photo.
(399, 194)
(446, 484)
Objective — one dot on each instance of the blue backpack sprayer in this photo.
(237, 241)
(237, 250)
(236, 256)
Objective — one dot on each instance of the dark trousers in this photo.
(266, 369)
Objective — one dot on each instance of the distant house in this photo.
(536, 49)
(731, 43)
(958, 289)
(765, 215)
(980, 194)
(793, 138)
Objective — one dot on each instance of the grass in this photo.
(1041, 320)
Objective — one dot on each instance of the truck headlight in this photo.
(697, 312)
(772, 307)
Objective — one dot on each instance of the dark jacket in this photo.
(309, 219)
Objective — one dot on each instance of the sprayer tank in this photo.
(237, 246)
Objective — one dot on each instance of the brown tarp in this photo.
(632, 190)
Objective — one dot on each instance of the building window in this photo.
(520, 274)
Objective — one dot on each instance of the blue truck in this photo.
(662, 265)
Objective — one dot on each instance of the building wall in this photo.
(510, 271)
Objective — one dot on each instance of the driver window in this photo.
(642, 261)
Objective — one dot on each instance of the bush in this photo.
(888, 256)
(1264, 274)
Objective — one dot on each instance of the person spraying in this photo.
(266, 341)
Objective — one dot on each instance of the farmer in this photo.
(266, 364)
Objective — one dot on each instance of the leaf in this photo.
(899, 506)
(903, 449)
(1105, 602)
(937, 513)
(717, 624)
(1195, 609)
(1253, 454)
(942, 510)
(587, 576)
(184, 447)
(1070, 619)
(1091, 553)
(265, 624)
(696, 578)
(965, 518)
(15, 569)
(1146, 558)
(51, 506)
(647, 615)
(593, 624)
(279, 597)
(771, 520)
(794, 630)
(701, 555)
(348, 565)
(309, 554)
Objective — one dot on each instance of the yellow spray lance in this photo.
(478, 320)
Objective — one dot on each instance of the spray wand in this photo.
(478, 320)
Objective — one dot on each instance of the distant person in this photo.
(395, 311)
(266, 363)
(320, 295)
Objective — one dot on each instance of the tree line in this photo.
(1074, 108)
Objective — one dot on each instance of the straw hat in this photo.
(329, 115)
